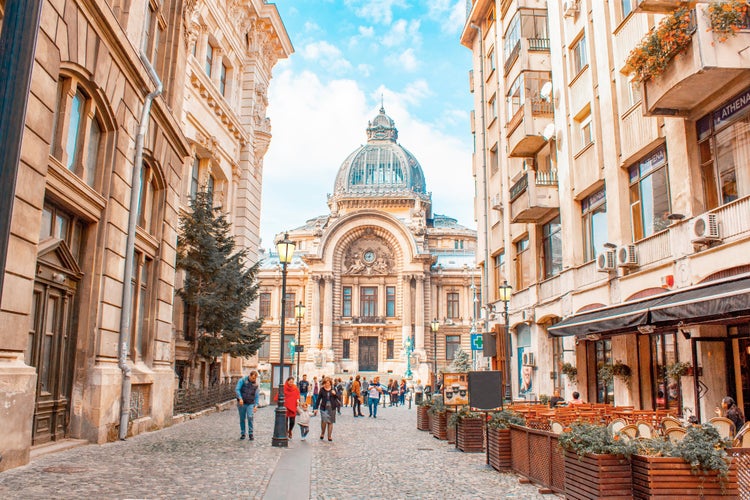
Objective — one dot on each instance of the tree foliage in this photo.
(218, 286)
(461, 362)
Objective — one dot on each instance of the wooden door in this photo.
(368, 354)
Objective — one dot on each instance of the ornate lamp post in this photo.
(505, 292)
(299, 313)
(285, 248)
(409, 348)
(434, 326)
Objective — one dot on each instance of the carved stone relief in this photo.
(368, 256)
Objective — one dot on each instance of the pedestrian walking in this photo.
(418, 392)
(374, 391)
(402, 393)
(316, 390)
(303, 387)
(291, 400)
(247, 402)
(327, 403)
(357, 397)
(303, 419)
(348, 392)
(339, 388)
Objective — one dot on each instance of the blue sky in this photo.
(349, 53)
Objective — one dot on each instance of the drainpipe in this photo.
(127, 293)
(485, 194)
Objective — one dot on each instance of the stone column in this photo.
(328, 313)
(406, 314)
(419, 313)
(381, 300)
(315, 312)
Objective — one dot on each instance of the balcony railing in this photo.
(545, 177)
(371, 320)
(654, 248)
(512, 57)
(541, 108)
(539, 44)
(519, 187)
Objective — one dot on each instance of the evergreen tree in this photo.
(461, 362)
(218, 286)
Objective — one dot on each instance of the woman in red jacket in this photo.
(291, 398)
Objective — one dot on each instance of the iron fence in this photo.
(195, 399)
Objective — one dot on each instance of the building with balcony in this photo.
(639, 256)
(374, 272)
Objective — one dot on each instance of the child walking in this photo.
(303, 420)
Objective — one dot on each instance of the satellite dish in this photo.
(546, 92)
(549, 132)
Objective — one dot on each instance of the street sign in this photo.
(477, 343)
(300, 348)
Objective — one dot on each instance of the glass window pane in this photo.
(390, 306)
(62, 225)
(92, 153)
(347, 302)
(71, 145)
(46, 229)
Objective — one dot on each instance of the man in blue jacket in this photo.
(248, 393)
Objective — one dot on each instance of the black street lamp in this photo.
(299, 313)
(285, 249)
(434, 326)
(505, 292)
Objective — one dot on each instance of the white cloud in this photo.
(317, 124)
(365, 70)
(366, 31)
(450, 14)
(311, 27)
(377, 11)
(405, 60)
(402, 32)
(326, 55)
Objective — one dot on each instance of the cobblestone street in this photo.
(203, 458)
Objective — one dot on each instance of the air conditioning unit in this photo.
(705, 229)
(626, 256)
(528, 359)
(570, 8)
(605, 261)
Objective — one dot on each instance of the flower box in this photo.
(597, 476)
(439, 425)
(470, 435)
(667, 477)
(423, 419)
(498, 441)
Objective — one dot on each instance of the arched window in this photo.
(149, 199)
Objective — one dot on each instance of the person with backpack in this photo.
(248, 393)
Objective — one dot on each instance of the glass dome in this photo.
(382, 166)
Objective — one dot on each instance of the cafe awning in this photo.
(727, 298)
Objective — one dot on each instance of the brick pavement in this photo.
(203, 458)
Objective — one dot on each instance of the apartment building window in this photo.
(586, 131)
(627, 7)
(346, 308)
(490, 19)
(498, 262)
(534, 25)
(552, 247)
(265, 348)
(346, 349)
(649, 194)
(523, 264)
(152, 29)
(493, 160)
(368, 301)
(223, 80)
(724, 142)
(194, 177)
(512, 41)
(289, 303)
(605, 389)
(594, 222)
(492, 108)
(390, 349)
(452, 345)
(631, 91)
(139, 283)
(515, 97)
(452, 309)
(458, 244)
(491, 61)
(579, 56)
(148, 199)
(390, 301)
(77, 133)
(209, 59)
(265, 305)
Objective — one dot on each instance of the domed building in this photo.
(374, 272)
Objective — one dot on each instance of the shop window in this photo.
(552, 247)
(649, 195)
(390, 301)
(452, 309)
(594, 219)
(265, 305)
(452, 345)
(346, 309)
(667, 394)
(605, 389)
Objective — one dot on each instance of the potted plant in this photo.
(469, 430)
(498, 437)
(622, 371)
(679, 369)
(596, 462)
(698, 466)
(423, 418)
(652, 55)
(727, 18)
(570, 371)
(438, 419)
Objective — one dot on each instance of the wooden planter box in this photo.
(498, 441)
(423, 419)
(451, 433)
(666, 477)
(429, 421)
(597, 476)
(470, 435)
(439, 425)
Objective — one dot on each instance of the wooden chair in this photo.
(670, 422)
(556, 427)
(675, 434)
(742, 438)
(723, 425)
(629, 432)
(617, 424)
(645, 430)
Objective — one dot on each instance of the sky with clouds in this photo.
(350, 54)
